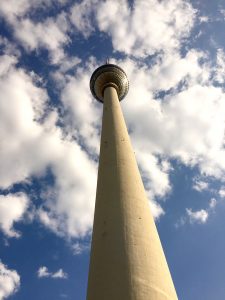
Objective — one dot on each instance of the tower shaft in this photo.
(127, 260)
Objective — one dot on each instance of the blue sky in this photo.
(174, 55)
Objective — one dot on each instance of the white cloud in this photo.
(164, 24)
(50, 34)
(44, 272)
(171, 69)
(79, 248)
(212, 203)
(82, 16)
(60, 274)
(83, 111)
(70, 204)
(84, 116)
(158, 180)
(9, 281)
(220, 67)
(29, 146)
(7, 62)
(204, 19)
(156, 210)
(64, 66)
(222, 192)
(199, 216)
(12, 9)
(19, 108)
(200, 185)
(8, 48)
(188, 124)
(161, 129)
(222, 11)
(12, 209)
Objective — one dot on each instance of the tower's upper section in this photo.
(109, 75)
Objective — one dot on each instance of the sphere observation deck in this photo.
(109, 75)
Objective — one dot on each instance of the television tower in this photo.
(127, 260)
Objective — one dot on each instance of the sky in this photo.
(173, 53)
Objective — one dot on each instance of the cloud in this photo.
(82, 16)
(222, 192)
(156, 210)
(168, 126)
(19, 132)
(12, 9)
(204, 19)
(31, 143)
(83, 117)
(157, 179)
(199, 216)
(171, 69)
(8, 48)
(220, 67)
(69, 205)
(83, 112)
(222, 11)
(43, 272)
(79, 248)
(200, 185)
(212, 203)
(12, 209)
(166, 24)
(51, 34)
(9, 281)
(172, 109)
(60, 274)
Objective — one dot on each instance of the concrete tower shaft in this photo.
(127, 260)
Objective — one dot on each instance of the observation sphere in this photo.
(109, 75)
